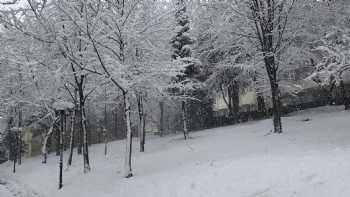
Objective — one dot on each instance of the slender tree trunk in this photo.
(105, 135)
(184, 120)
(115, 113)
(233, 101)
(127, 164)
(57, 133)
(15, 152)
(261, 104)
(141, 123)
(45, 140)
(80, 133)
(60, 184)
(144, 131)
(85, 143)
(344, 96)
(230, 101)
(66, 133)
(14, 163)
(20, 145)
(161, 121)
(104, 129)
(71, 138)
(13, 142)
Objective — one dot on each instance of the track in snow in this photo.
(14, 189)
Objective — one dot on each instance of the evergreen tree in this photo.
(182, 41)
(191, 88)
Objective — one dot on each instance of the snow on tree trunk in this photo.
(44, 145)
(127, 161)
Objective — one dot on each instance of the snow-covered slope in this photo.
(311, 158)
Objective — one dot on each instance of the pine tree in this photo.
(181, 44)
(189, 79)
(181, 41)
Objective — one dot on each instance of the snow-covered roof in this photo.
(293, 88)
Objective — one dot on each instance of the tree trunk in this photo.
(268, 19)
(184, 120)
(85, 143)
(116, 133)
(60, 184)
(233, 100)
(127, 162)
(236, 101)
(20, 145)
(15, 152)
(230, 101)
(141, 123)
(105, 135)
(144, 131)
(261, 104)
(104, 129)
(275, 93)
(161, 121)
(332, 86)
(344, 98)
(270, 65)
(80, 133)
(66, 136)
(44, 145)
(276, 108)
(12, 135)
(57, 133)
(14, 165)
(71, 138)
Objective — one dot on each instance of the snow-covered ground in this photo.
(311, 158)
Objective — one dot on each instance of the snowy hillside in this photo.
(311, 158)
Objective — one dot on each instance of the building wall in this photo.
(33, 143)
(248, 98)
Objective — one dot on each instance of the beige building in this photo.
(246, 99)
(32, 141)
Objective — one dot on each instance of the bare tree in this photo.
(270, 19)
